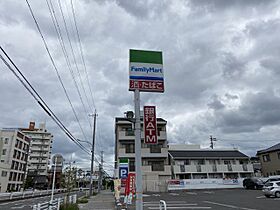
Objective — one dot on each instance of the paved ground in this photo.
(102, 201)
(213, 199)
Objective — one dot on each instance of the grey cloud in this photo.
(216, 104)
(232, 66)
(231, 97)
(256, 111)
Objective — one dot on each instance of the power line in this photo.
(51, 58)
(81, 51)
(72, 51)
(39, 99)
(60, 38)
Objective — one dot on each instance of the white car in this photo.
(272, 189)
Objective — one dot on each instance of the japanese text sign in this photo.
(146, 71)
(150, 125)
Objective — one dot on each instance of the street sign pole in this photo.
(138, 161)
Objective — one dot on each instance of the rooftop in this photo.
(207, 154)
(270, 149)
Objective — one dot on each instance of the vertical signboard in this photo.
(150, 125)
(146, 71)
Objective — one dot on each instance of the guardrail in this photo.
(162, 205)
(55, 204)
(27, 194)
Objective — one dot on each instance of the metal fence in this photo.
(27, 194)
(54, 204)
(162, 205)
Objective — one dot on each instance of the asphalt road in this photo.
(226, 199)
(28, 203)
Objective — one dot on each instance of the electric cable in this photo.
(38, 98)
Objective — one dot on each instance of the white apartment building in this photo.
(196, 163)
(14, 147)
(155, 168)
(40, 153)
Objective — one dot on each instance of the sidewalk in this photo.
(102, 201)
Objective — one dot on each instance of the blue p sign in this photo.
(123, 172)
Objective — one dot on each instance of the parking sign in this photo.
(123, 172)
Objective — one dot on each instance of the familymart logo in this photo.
(146, 69)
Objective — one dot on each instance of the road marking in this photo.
(173, 194)
(18, 207)
(184, 207)
(208, 192)
(191, 193)
(261, 196)
(157, 195)
(157, 202)
(226, 205)
(175, 204)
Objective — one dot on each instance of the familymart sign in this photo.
(146, 71)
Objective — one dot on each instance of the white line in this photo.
(184, 207)
(261, 196)
(175, 204)
(17, 207)
(157, 202)
(208, 192)
(226, 205)
(191, 193)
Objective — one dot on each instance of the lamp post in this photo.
(53, 181)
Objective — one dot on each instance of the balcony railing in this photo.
(213, 168)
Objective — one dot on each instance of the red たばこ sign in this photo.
(150, 125)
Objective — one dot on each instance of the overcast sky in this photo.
(221, 66)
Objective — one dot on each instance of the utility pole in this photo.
(212, 141)
(92, 152)
(100, 173)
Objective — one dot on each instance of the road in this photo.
(27, 204)
(212, 199)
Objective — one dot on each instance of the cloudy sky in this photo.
(221, 61)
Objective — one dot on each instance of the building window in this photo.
(6, 140)
(157, 165)
(266, 158)
(4, 152)
(155, 148)
(131, 165)
(4, 173)
(129, 148)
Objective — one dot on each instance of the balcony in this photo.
(148, 169)
(129, 135)
(213, 168)
(145, 152)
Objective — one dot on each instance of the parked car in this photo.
(272, 179)
(272, 189)
(253, 183)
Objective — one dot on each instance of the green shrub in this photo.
(72, 206)
(82, 200)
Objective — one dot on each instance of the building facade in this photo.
(208, 163)
(155, 168)
(14, 148)
(40, 153)
(270, 160)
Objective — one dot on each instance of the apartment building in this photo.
(40, 153)
(14, 147)
(155, 168)
(270, 160)
(196, 163)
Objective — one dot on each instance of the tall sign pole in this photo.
(138, 161)
(146, 75)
